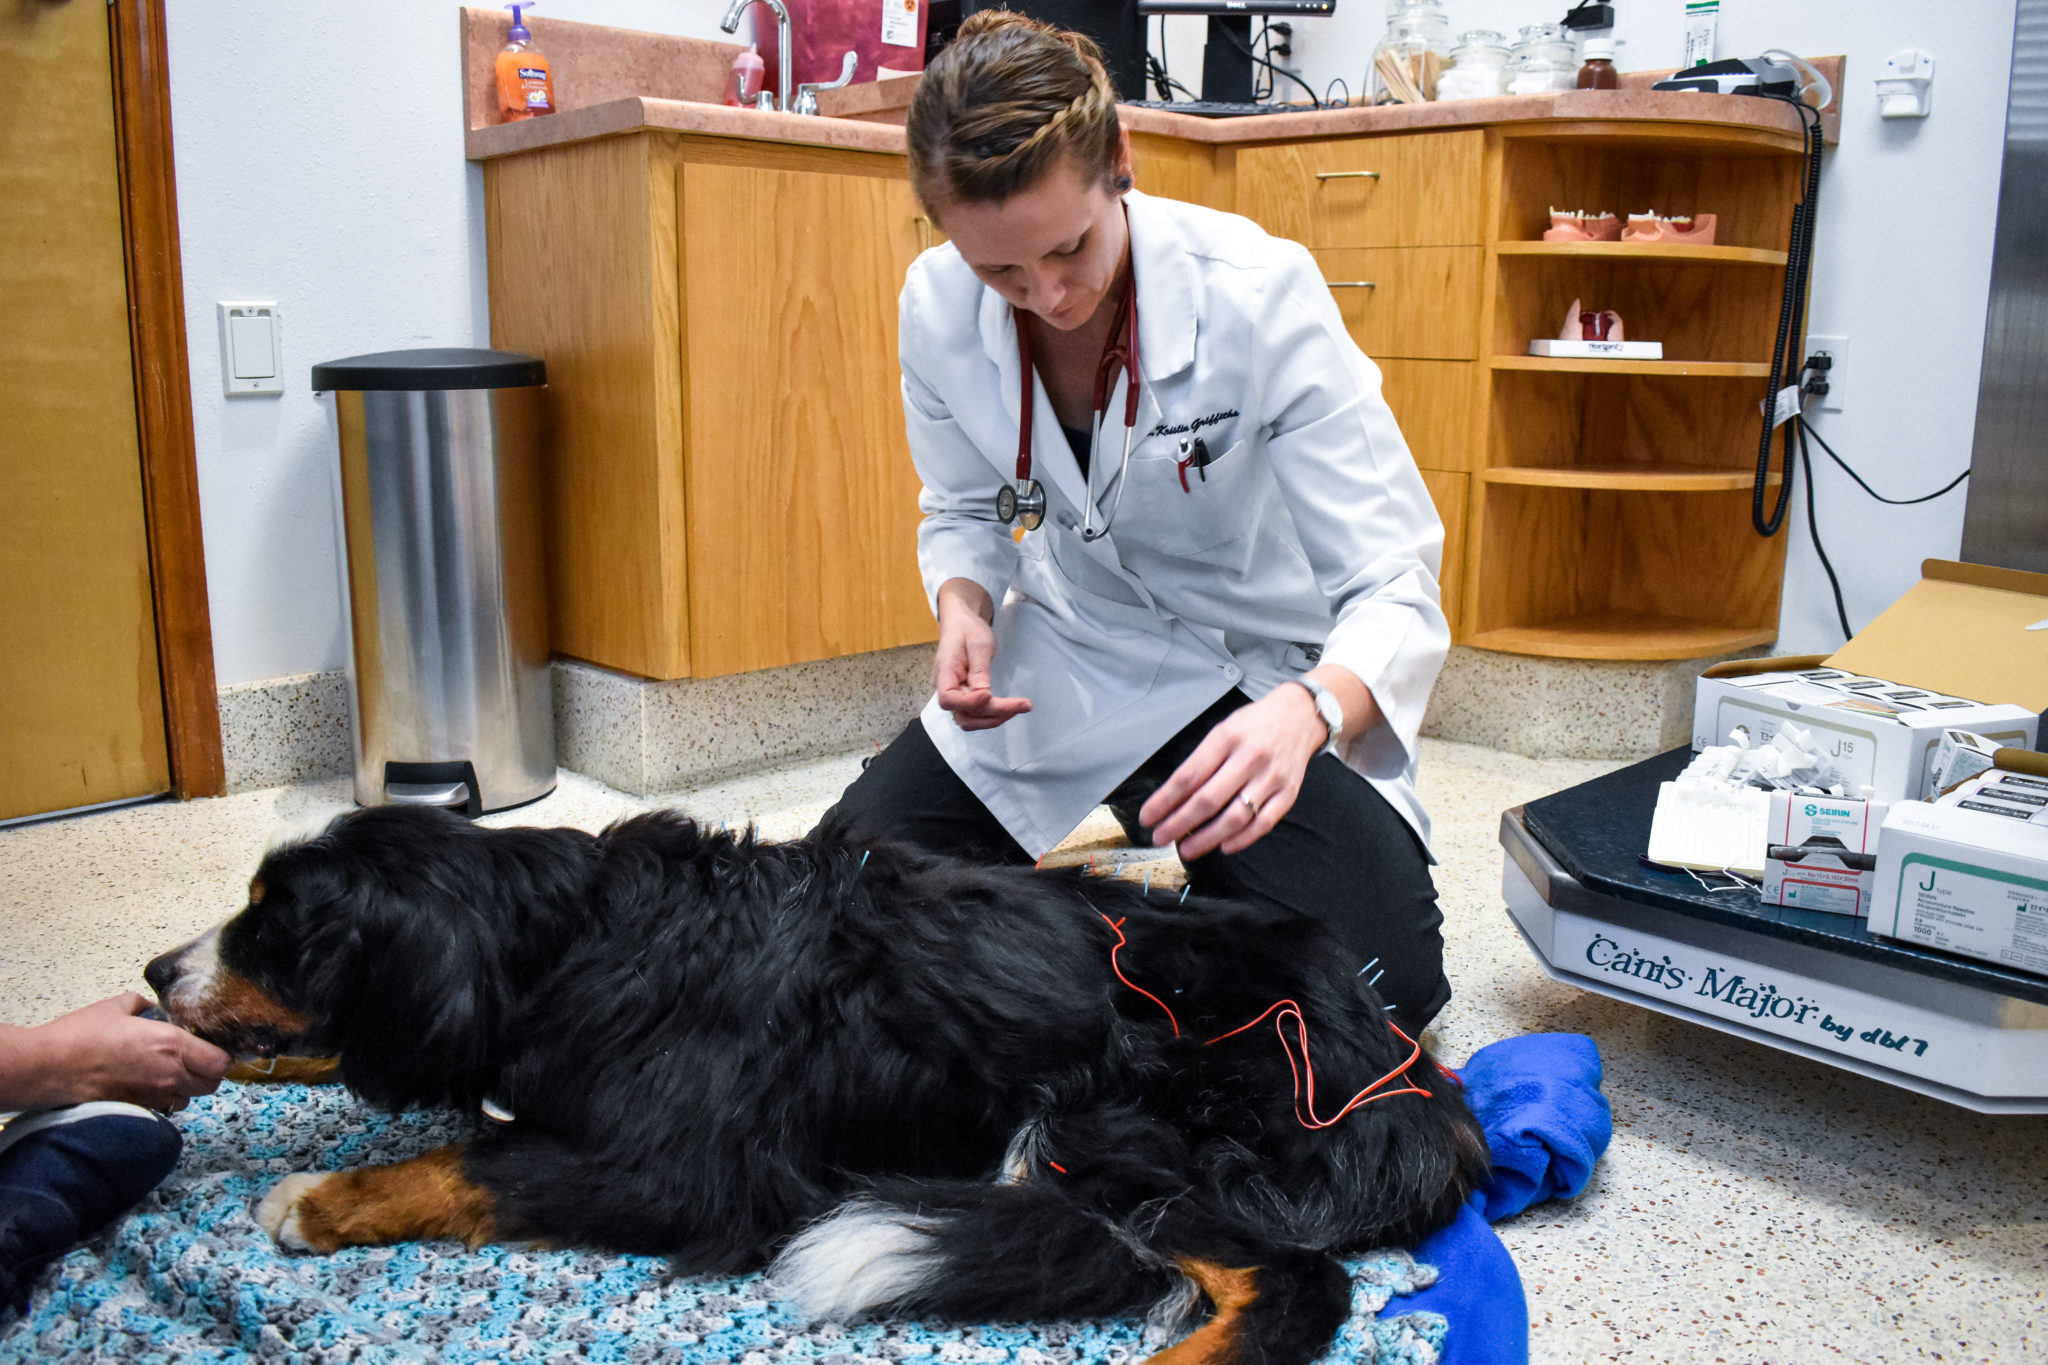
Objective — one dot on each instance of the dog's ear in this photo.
(396, 958)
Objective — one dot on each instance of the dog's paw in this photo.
(279, 1211)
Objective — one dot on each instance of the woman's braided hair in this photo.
(1002, 104)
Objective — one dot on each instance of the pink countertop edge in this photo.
(688, 116)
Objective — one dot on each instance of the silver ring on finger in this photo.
(1249, 804)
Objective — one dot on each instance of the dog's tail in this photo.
(986, 1252)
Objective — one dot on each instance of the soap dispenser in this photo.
(526, 83)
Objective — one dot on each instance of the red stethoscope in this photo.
(1024, 501)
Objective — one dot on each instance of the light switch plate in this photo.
(251, 358)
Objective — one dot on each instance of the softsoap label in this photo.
(899, 23)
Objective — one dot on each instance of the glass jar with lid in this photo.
(1544, 59)
(1479, 67)
(1408, 60)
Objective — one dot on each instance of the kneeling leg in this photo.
(417, 1200)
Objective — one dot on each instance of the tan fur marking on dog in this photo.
(1215, 1341)
(410, 1201)
(306, 1070)
(235, 999)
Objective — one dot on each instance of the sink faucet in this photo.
(731, 24)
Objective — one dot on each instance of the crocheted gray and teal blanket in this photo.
(189, 1276)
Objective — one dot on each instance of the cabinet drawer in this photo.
(1447, 491)
(1435, 401)
(1419, 302)
(1416, 190)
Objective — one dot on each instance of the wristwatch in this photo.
(1328, 708)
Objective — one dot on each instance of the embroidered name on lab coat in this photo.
(1191, 427)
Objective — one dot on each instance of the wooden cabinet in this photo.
(730, 488)
(729, 485)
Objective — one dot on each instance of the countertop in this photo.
(633, 113)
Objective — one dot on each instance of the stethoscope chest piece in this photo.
(1022, 503)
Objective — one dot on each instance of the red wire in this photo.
(1114, 966)
(1306, 1067)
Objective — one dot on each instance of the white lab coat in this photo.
(1312, 538)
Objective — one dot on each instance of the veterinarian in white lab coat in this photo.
(1239, 663)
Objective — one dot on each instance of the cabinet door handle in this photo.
(1347, 175)
(924, 232)
(1352, 284)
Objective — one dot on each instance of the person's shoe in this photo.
(67, 1173)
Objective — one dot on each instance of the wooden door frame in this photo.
(163, 397)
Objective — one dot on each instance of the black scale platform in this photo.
(1598, 830)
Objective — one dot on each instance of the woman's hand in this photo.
(1244, 776)
(967, 645)
(103, 1052)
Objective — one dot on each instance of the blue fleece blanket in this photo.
(1538, 1098)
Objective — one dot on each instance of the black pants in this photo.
(1341, 855)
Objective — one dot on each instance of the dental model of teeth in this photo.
(1568, 225)
(1578, 225)
(1684, 229)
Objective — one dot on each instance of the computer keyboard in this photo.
(1218, 108)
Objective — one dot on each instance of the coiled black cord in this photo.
(1791, 325)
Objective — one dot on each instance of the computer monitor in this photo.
(1227, 57)
(1116, 26)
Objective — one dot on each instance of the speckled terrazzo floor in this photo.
(1754, 1207)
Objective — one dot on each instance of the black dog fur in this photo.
(712, 1044)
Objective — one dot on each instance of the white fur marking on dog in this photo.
(301, 829)
(1026, 1153)
(1169, 1317)
(279, 1212)
(197, 965)
(859, 1257)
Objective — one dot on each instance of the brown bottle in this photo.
(1598, 73)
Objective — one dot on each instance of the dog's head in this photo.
(388, 940)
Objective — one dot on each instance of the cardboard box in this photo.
(1953, 653)
(2008, 795)
(1822, 853)
(1965, 881)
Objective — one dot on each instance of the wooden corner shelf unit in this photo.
(1593, 509)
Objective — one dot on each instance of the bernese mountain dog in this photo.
(904, 1083)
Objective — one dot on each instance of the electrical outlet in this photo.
(1838, 349)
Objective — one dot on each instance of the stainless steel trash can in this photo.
(448, 680)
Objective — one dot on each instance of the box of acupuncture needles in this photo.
(1965, 648)
(1964, 879)
(1822, 853)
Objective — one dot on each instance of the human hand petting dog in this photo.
(106, 1052)
(1241, 779)
(967, 645)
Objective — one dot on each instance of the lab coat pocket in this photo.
(1217, 504)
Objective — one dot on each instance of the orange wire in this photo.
(1116, 967)
(1279, 1011)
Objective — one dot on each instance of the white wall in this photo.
(1902, 265)
(322, 167)
(319, 163)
